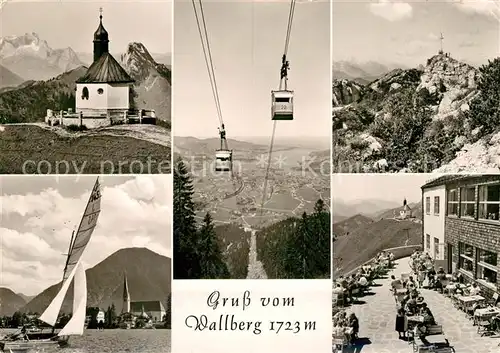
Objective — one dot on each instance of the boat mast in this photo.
(73, 238)
(69, 252)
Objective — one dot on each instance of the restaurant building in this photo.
(468, 227)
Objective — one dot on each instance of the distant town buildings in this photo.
(461, 223)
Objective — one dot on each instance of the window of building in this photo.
(487, 266)
(427, 241)
(452, 207)
(436, 205)
(428, 205)
(466, 257)
(489, 201)
(436, 248)
(100, 91)
(467, 201)
(85, 93)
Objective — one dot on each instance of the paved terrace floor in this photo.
(377, 315)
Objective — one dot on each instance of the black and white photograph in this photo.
(85, 264)
(416, 268)
(415, 86)
(252, 140)
(85, 87)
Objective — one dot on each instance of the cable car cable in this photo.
(283, 76)
(205, 43)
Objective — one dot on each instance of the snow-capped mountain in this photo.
(33, 59)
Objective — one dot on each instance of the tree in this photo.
(167, 318)
(186, 258)
(484, 110)
(212, 260)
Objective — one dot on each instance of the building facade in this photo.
(434, 210)
(153, 309)
(104, 90)
(471, 227)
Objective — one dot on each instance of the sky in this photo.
(72, 24)
(247, 42)
(408, 33)
(385, 187)
(38, 216)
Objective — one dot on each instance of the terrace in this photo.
(376, 312)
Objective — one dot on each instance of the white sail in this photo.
(76, 324)
(85, 230)
(52, 312)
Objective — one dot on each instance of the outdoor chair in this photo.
(494, 299)
(484, 326)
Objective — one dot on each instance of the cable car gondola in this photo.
(223, 160)
(282, 105)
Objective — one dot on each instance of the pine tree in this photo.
(212, 261)
(186, 257)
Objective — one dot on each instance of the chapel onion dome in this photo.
(101, 34)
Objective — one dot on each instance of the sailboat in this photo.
(73, 271)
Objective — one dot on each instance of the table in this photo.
(435, 340)
(467, 301)
(485, 313)
(415, 318)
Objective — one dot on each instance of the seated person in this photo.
(428, 317)
(475, 290)
(411, 307)
(420, 331)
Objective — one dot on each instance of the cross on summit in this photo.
(441, 40)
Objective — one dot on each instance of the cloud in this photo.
(36, 228)
(480, 7)
(391, 11)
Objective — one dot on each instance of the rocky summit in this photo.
(410, 120)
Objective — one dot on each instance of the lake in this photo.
(117, 341)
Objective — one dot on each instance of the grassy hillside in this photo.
(30, 102)
(350, 224)
(90, 154)
(365, 242)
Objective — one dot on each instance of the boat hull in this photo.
(37, 343)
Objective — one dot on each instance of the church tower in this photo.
(103, 92)
(101, 40)
(126, 296)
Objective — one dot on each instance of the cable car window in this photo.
(282, 100)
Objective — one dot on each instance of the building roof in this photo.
(105, 70)
(101, 34)
(445, 179)
(149, 306)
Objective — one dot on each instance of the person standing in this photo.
(401, 324)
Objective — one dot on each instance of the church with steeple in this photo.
(104, 90)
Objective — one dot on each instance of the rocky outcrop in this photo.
(365, 116)
(346, 92)
(152, 88)
(453, 82)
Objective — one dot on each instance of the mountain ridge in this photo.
(32, 58)
(148, 277)
(408, 120)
